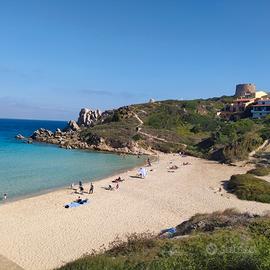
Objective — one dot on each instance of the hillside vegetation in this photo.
(222, 240)
(172, 126)
(249, 187)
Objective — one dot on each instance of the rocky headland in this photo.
(71, 136)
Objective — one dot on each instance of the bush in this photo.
(240, 149)
(260, 171)
(137, 137)
(249, 187)
(244, 247)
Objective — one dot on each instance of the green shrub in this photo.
(244, 248)
(260, 171)
(249, 187)
(137, 137)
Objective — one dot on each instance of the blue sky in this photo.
(57, 56)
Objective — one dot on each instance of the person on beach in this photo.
(149, 162)
(80, 183)
(91, 190)
(81, 189)
(5, 196)
(119, 179)
(117, 186)
(72, 186)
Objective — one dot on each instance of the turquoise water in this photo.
(26, 169)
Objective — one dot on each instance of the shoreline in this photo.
(40, 234)
(65, 187)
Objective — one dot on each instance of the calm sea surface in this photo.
(27, 169)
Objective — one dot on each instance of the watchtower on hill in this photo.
(246, 89)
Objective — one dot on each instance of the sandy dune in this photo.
(39, 233)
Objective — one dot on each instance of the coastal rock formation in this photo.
(72, 125)
(20, 137)
(88, 117)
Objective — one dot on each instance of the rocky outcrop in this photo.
(209, 222)
(72, 126)
(72, 140)
(20, 137)
(65, 139)
(70, 137)
(88, 117)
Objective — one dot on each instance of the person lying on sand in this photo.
(109, 188)
(186, 163)
(80, 200)
(119, 179)
(173, 167)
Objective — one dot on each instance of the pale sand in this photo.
(39, 233)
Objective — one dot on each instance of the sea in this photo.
(28, 169)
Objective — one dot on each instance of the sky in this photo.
(57, 56)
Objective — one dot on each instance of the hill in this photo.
(191, 126)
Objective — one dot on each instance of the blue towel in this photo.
(170, 231)
(74, 204)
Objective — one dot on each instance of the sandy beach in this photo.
(38, 233)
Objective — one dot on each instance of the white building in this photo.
(261, 108)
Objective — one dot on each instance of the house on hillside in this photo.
(261, 108)
(245, 97)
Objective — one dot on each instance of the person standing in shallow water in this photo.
(91, 190)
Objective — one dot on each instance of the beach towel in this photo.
(75, 204)
(170, 232)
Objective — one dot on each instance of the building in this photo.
(245, 97)
(261, 108)
(248, 90)
(245, 89)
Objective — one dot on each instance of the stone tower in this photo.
(245, 89)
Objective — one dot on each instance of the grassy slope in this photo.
(193, 123)
(234, 241)
(260, 171)
(249, 187)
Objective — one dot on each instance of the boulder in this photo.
(20, 137)
(73, 125)
(88, 117)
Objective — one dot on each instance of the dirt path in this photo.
(144, 133)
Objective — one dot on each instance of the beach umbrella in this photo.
(143, 172)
